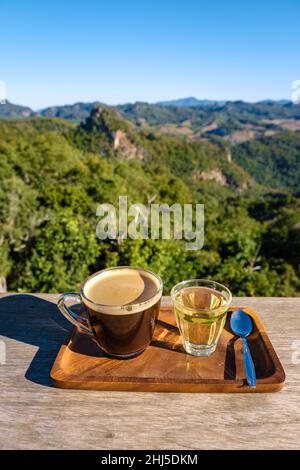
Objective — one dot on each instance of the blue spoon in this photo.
(241, 325)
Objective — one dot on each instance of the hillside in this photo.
(272, 161)
(54, 173)
(107, 133)
(232, 121)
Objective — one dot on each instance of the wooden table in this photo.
(35, 415)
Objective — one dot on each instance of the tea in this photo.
(201, 315)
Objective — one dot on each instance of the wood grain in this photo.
(165, 366)
(36, 415)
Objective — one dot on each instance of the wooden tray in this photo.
(165, 367)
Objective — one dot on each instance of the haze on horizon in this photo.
(122, 51)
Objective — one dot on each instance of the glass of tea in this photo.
(201, 308)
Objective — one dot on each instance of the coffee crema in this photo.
(121, 290)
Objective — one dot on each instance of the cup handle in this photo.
(77, 320)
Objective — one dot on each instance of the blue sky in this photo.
(116, 51)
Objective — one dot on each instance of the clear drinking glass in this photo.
(201, 308)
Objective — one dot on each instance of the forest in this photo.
(54, 172)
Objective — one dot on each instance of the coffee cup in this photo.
(120, 309)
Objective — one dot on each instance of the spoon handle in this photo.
(248, 365)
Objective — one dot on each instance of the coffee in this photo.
(124, 286)
(122, 306)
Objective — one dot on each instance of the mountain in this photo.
(75, 112)
(9, 110)
(106, 132)
(190, 101)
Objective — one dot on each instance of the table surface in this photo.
(36, 415)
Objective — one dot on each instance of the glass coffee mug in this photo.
(121, 307)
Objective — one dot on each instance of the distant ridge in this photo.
(190, 101)
(75, 112)
(270, 101)
(199, 112)
(9, 110)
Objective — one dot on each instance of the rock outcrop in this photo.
(211, 175)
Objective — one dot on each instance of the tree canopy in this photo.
(53, 174)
